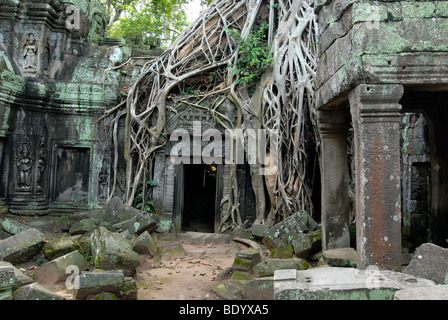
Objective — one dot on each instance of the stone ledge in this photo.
(336, 283)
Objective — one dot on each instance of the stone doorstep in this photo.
(336, 283)
(202, 238)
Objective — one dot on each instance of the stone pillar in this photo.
(333, 128)
(375, 113)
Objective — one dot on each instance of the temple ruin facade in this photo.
(381, 86)
(379, 60)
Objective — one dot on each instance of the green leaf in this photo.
(138, 206)
(153, 183)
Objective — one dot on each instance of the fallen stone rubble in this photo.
(95, 254)
(295, 268)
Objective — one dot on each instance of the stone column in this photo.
(333, 128)
(375, 113)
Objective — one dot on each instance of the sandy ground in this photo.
(184, 276)
(188, 275)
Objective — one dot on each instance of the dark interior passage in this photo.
(199, 198)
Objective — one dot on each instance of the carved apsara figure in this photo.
(30, 53)
(24, 164)
(103, 179)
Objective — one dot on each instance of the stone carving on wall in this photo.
(30, 53)
(24, 163)
(103, 179)
(41, 164)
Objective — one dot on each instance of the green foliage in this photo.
(254, 55)
(140, 202)
(153, 19)
(206, 3)
(188, 91)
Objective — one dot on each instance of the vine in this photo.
(270, 90)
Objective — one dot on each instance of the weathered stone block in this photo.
(60, 246)
(104, 296)
(267, 267)
(12, 226)
(163, 224)
(335, 283)
(439, 292)
(145, 244)
(129, 290)
(340, 257)
(246, 260)
(111, 251)
(259, 289)
(301, 244)
(228, 291)
(174, 249)
(285, 231)
(430, 262)
(7, 277)
(56, 270)
(200, 238)
(22, 246)
(259, 230)
(20, 279)
(35, 291)
(282, 251)
(88, 283)
(83, 226)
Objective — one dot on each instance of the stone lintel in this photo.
(375, 113)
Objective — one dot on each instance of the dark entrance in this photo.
(199, 198)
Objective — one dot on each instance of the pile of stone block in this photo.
(297, 235)
(287, 245)
(95, 259)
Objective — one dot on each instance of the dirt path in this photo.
(190, 275)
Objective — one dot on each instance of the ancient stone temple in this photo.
(378, 60)
(53, 88)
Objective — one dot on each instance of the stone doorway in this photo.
(199, 197)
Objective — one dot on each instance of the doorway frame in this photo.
(179, 184)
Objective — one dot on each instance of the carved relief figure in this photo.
(41, 165)
(102, 179)
(30, 53)
(47, 60)
(24, 164)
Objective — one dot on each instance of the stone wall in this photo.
(378, 60)
(415, 169)
(54, 87)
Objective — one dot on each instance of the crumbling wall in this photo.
(415, 169)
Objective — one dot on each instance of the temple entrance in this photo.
(199, 200)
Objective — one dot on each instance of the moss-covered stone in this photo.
(340, 257)
(145, 244)
(268, 266)
(246, 260)
(83, 226)
(13, 227)
(60, 246)
(228, 290)
(111, 251)
(282, 251)
(35, 291)
(240, 276)
(105, 296)
(22, 246)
